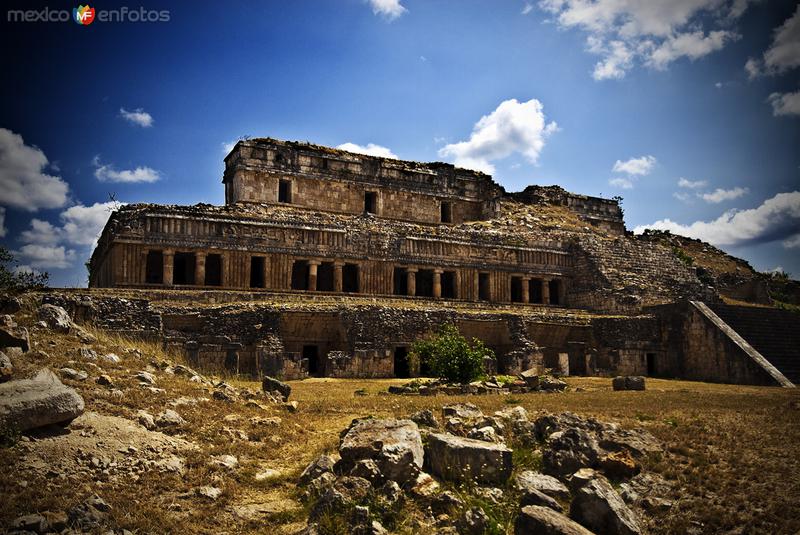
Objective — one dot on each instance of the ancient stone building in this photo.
(346, 259)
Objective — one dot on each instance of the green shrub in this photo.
(448, 355)
(14, 280)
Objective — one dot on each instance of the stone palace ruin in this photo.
(326, 262)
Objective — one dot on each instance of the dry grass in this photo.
(734, 453)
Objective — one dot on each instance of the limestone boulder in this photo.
(56, 318)
(30, 403)
(394, 445)
(6, 368)
(317, 467)
(569, 451)
(464, 459)
(463, 411)
(598, 507)
(9, 304)
(537, 520)
(15, 337)
(628, 382)
(530, 480)
(425, 418)
(344, 493)
(535, 497)
(270, 384)
(637, 442)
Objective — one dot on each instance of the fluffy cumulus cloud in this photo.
(691, 184)
(624, 32)
(635, 166)
(719, 195)
(512, 127)
(785, 103)
(139, 117)
(621, 182)
(47, 246)
(388, 9)
(370, 149)
(24, 184)
(108, 173)
(46, 256)
(784, 52)
(776, 219)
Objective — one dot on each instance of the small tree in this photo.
(18, 281)
(448, 355)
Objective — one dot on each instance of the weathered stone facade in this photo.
(545, 277)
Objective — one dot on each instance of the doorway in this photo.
(312, 354)
(401, 367)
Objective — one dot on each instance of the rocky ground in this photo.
(123, 437)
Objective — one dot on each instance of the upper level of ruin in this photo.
(271, 171)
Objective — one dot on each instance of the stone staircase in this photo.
(772, 332)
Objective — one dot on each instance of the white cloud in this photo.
(138, 117)
(718, 85)
(784, 52)
(370, 149)
(635, 166)
(388, 9)
(512, 127)
(785, 103)
(107, 173)
(527, 8)
(41, 232)
(691, 184)
(776, 219)
(46, 256)
(23, 184)
(655, 33)
(624, 183)
(719, 195)
(3, 229)
(692, 45)
(227, 146)
(682, 196)
(83, 224)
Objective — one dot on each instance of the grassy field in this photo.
(732, 450)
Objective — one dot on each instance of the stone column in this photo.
(546, 291)
(526, 290)
(411, 273)
(337, 276)
(476, 287)
(200, 269)
(169, 264)
(143, 267)
(312, 275)
(437, 283)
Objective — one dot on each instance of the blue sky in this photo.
(604, 98)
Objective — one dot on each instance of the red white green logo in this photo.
(83, 15)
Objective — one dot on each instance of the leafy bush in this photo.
(448, 355)
(15, 281)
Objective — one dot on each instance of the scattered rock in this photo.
(531, 378)
(598, 507)
(537, 520)
(629, 382)
(291, 406)
(344, 492)
(89, 515)
(6, 368)
(105, 380)
(113, 358)
(619, 465)
(425, 486)
(267, 474)
(317, 467)
(463, 411)
(211, 493)
(146, 419)
(169, 418)
(394, 445)
(474, 521)
(425, 418)
(535, 497)
(367, 469)
(270, 384)
(56, 318)
(30, 523)
(464, 459)
(74, 375)
(580, 478)
(551, 384)
(9, 304)
(569, 451)
(44, 400)
(486, 434)
(15, 337)
(529, 480)
(145, 377)
(228, 462)
(87, 354)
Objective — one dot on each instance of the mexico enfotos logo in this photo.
(85, 15)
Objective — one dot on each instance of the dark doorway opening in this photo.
(154, 270)
(535, 288)
(516, 289)
(555, 288)
(401, 367)
(370, 202)
(447, 212)
(449, 285)
(425, 283)
(483, 287)
(232, 362)
(183, 268)
(350, 278)
(257, 264)
(213, 270)
(300, 275)
(312, 354)
(400, 278)
(285, 191)
(651, 364)
(325, 277)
